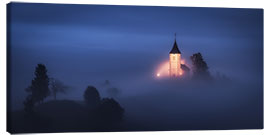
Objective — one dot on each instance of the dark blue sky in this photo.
(82, 44)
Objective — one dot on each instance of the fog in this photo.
(85, 45)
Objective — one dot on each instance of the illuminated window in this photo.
(173, 57)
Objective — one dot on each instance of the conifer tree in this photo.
(39, 88)
(200, 68)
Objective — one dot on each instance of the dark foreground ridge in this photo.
(61, 116)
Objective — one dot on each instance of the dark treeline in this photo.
(94, 114)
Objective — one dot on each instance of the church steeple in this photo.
(175, 60)
(175, 47)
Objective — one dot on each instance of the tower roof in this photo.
(175, 48)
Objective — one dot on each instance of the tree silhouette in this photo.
(91, 97)
(39, 88)
(200, 68)
(110, 111)
(57, 87)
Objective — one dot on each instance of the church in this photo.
(176, 68)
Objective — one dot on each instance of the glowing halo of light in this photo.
(163, 70)
(183, 61)
(181, 72)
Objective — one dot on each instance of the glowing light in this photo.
(181, 72)
(175, 65)
(183, 61)
(163, 70)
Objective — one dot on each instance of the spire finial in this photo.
(175, 47)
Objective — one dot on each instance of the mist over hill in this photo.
(118, 60)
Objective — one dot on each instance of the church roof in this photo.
(175, 48)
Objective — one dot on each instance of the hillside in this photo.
(56, 116)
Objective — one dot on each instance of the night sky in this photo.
(87, 44)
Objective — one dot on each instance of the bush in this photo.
(91, 97)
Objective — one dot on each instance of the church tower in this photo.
(175, 61)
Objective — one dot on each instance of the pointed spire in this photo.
(175, 47)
